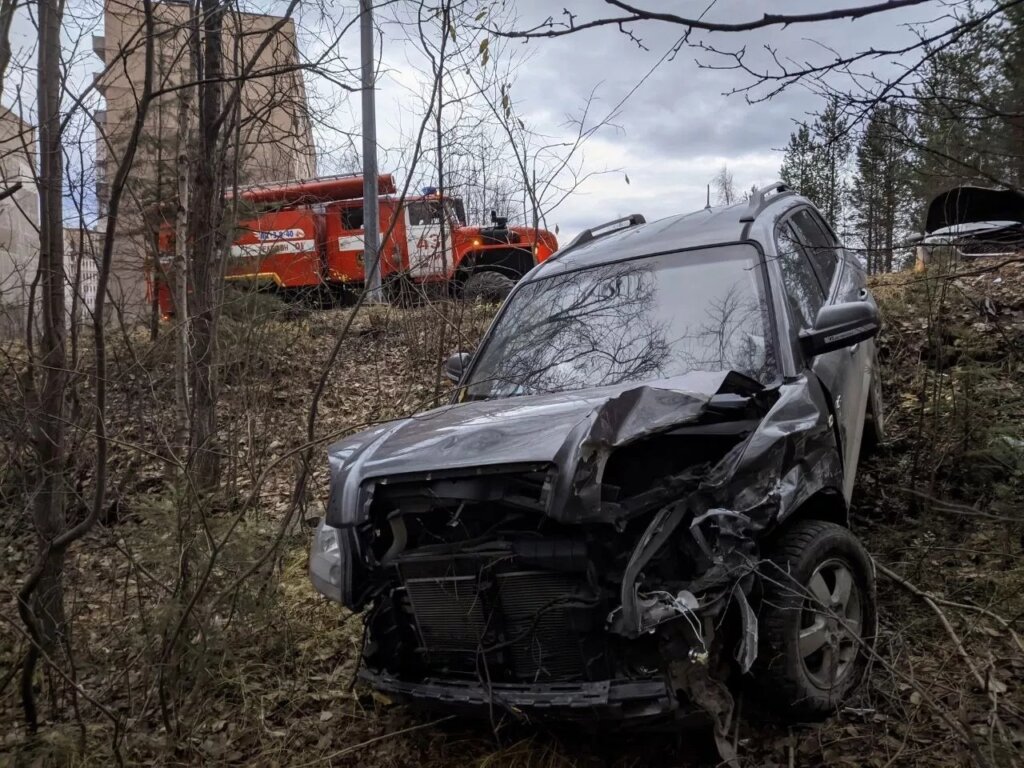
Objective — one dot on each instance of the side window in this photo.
(352, 217)
(802, 286)
(820, 246)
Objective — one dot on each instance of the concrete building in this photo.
(272, 138)
(82, 254)
(19, 221)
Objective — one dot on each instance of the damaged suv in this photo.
(636, 503)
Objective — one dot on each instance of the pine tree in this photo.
(815, 160)
(832, 137)
(1010, 50)
(798, 163)
(958, 134)
(881, 187)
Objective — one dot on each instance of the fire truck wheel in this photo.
(487, 286)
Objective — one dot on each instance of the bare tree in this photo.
(60, 511)
(725, 188)
(45, 615)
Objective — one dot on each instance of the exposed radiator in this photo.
(449, 613)
(536, 609)
(526, 613)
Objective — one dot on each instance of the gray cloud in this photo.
(678, 128)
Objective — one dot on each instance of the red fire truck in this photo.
(305, 236)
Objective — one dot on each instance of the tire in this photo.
(488, 286)
(401, 291)
(874, 421)
(809, 559)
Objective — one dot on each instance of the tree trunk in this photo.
(203, 226)
(179, 284)
(48, 498)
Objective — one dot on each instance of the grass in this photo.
(265, 676)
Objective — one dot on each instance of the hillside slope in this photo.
(266, 676)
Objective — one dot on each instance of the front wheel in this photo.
(817, 620)
(487, 285)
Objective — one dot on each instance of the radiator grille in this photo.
(449, 613)
(535, 607)
(524, 615)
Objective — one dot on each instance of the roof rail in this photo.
(759, 199)
(633, 220)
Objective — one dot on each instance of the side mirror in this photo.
(840, 325)
(455, 366)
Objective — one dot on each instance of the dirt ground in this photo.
(266, 680)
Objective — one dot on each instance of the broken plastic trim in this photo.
(788, 456)
(754, 487)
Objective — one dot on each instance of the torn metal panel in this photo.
(788, 457)
(575, 432)
(791, 456)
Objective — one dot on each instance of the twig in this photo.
(74, 684)
(10, 190)
(1005, 623)
(375, 739)
(930, 602)
(982, 682)
(953, 508)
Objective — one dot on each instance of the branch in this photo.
(768, 19)
(983, 682)
(10, 191)
(636, 14)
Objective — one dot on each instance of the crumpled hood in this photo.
(563, 429)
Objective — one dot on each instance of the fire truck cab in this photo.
(306, 238)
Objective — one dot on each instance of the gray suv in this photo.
(636, 503)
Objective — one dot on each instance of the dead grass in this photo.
(270, 679)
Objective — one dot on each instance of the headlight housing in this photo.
(325, 562)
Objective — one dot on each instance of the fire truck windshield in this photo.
(632, 321)
(425, 212)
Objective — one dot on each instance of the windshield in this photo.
(631, 321)
(456, 211)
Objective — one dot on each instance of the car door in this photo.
(424, 220)
(845, 373)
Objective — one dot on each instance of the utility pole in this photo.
(371, 204)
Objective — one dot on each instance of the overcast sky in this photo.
(670, 137)
(678, 128)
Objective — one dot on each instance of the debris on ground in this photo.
(940, 507)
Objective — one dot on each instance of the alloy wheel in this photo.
(831, 624)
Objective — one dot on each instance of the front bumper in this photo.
(606, 700)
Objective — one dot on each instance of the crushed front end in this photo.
(607, 580)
